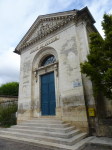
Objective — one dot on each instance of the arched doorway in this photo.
(45, 62)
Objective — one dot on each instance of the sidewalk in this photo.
(104, 141)
(100, 143)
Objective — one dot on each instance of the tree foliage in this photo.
(98, 66)
(9, 89)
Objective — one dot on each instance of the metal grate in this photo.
(48, 60)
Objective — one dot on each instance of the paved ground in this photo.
(93, 147)
(10, 145)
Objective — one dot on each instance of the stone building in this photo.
(51, 83)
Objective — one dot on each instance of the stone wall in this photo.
(105, 127)
(5, 100)
(104, 116)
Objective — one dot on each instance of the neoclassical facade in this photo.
(51, 83)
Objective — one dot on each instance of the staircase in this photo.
(49, 133)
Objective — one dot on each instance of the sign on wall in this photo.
(75, 84)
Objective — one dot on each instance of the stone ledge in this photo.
(8, 96)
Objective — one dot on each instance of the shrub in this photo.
(7, 115)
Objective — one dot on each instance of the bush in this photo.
(9, 89)
(7, 115)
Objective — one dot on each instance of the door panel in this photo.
(45, 109)
(52, 108)
(51, 77)
(44, 89)
(48, 103)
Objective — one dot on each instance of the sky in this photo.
(17, 16)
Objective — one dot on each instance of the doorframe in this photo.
(53, 67)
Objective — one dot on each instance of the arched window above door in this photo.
(48, 60)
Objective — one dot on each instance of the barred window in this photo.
(48, 60)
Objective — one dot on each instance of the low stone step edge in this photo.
(81, 144)
(47, 132)
(20, 125)
(64, 130)
(63, 141)
(102, 141)
(47, 144)
(43, 136)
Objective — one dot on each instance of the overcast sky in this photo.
(16, 17)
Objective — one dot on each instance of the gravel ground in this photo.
(12, 145)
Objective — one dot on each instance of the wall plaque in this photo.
(75, 84)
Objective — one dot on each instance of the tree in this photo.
(9, 89)
(98, 66)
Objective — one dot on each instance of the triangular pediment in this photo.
(44, 25)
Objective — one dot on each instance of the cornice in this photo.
(61, 19)
(42, 18)
(47, 32)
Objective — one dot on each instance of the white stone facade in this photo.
(66, 36)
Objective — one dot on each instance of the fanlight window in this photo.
(48, 60)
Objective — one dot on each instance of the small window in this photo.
(48, 60)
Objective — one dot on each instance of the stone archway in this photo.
(37, 72)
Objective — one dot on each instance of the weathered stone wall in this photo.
(105, 127)
(104, 115)
(70, 103)
(5, 100)
(108, 107)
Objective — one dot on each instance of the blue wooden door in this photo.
(48, 103)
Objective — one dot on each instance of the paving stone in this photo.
(96, 147)
(102, 141)
(11, 145)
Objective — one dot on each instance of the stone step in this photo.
(45, 121)
(51, 117)
(49, 145)
(47, 118)
(45, 125)
(69, 142)
(46, 133)
(81, 144)
(61, 130)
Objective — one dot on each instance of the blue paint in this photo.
(48, 103)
